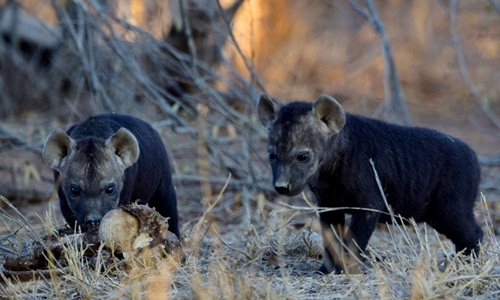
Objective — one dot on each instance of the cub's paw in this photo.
(323, 270)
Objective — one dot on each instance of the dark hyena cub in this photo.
(426, 175)
(110, 160)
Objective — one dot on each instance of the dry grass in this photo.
(273, 261)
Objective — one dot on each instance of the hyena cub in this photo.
(426, 175)
(110, 160)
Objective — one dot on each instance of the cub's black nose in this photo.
(91, 219)
(282, 189)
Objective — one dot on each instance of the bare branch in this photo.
(77, 24)
(394, 97)
(16, 142)
(248, 63)
(452, 12)
(186, 29)
(123, 63)
(490, 161)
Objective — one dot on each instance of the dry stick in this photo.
(192, 71)
(455, 38)
(402, 229)
(486, 161)
(221, 104)
(247, 62)
(248, 256)
(327, 209)
(83, 39)
(203, 155)
(130, 62)
(223, 107)
(209, 209)
(151, 87)
(5, 249)
(23, 222)
(303, 194)
(211, 179)
(382, 194)
(489, 161)
(186, 27)
(392, 87)
(19, 142)
(227, 16)
(489, 224)
(212, 205)
(381, 190)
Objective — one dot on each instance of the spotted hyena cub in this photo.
(426, 175)
(110, 160)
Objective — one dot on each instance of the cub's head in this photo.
(298, 133)
(91, 170)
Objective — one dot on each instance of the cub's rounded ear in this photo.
(267, 109)
(124, 144)
(330, 113)
(57, 146)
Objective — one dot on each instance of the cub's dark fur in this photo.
(110, 160)
(426, 175)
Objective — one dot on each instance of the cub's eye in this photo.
(74, 190)
(110, 190)
(272, 157)
(303, 156)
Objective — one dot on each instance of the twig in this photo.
(247, 62)
(489, 161)
(17, 142)
(381, 189)
(77, 22)
(393, 91)
(308, 202)
(22, 221)
(327, 209)
(5, 249)
(156, 92)
(196, 178)
(452, 12)
(186, 27)
(231, 247)
(213, 204)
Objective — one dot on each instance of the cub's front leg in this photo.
(343, 248)
(332, 229)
